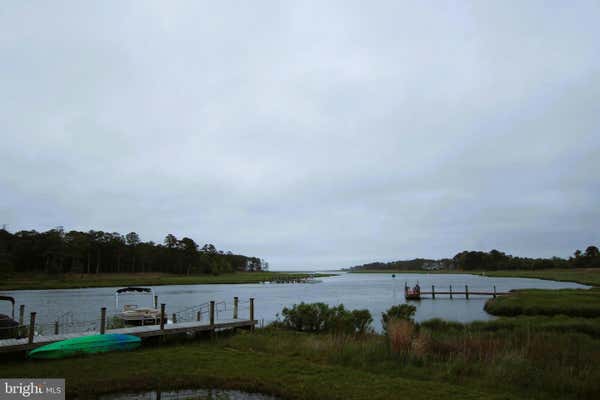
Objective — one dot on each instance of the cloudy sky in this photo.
(320, 134)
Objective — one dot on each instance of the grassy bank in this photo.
(586, 276)
(237, 363)
(511, 356)
(571, 302)
(71, 281)
(504, 359)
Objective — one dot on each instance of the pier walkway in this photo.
(189, 320)
(14, 345)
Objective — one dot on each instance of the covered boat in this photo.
(86, 345)
(132, 314)
(8, 325)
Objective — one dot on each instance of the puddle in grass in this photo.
(197, 394)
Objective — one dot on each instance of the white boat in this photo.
(9, 328)
(132, 314)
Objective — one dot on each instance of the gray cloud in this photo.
(309, 134)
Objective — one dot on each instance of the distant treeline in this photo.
(93, 252)
(493, 260)
(417, 263)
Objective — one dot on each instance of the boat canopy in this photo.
(135, 289)
(12, 300)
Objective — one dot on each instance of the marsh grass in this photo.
(70, 281)
(512, 356)
(436, 358)
(571, 302)
(586, 276)
(400, 334)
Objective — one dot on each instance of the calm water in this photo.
(376, 292)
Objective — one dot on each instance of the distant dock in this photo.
(417, 294)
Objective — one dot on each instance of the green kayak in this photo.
(86, 345)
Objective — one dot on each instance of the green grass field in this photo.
(71, 281)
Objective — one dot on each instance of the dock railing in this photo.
(30, 325)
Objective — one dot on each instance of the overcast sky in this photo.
(320, 134)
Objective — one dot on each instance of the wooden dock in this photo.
(162, 328)
(24, 344)
(417, 294)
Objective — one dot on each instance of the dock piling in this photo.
(252, 313)
(21, 314)
(31, 327)
(433, 292)
(174, 318)
(212, 312)
(235, 307)
(494, 291)
(162, 316)
(450, 291)
(467, 291)
(102, 320)
(198, 315)
(155, 302)
(56, 327)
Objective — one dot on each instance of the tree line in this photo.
(56, 251)
(492, 260)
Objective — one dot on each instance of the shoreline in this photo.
(81, 281)
(584, 276)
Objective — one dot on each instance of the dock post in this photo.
(156, 302)
(467, 291)
(162, 316)
(252, 313)
(450, 291)
(56, 327)
(103, 320)
(494, 291)
(433, 292)
(21, 314)
(174, 318)
(21, 328)
(198, 315)
(212, 312)
(235, 307)
(31, 327)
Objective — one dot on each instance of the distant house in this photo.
(432, 265)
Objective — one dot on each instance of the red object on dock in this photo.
(412, 294)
